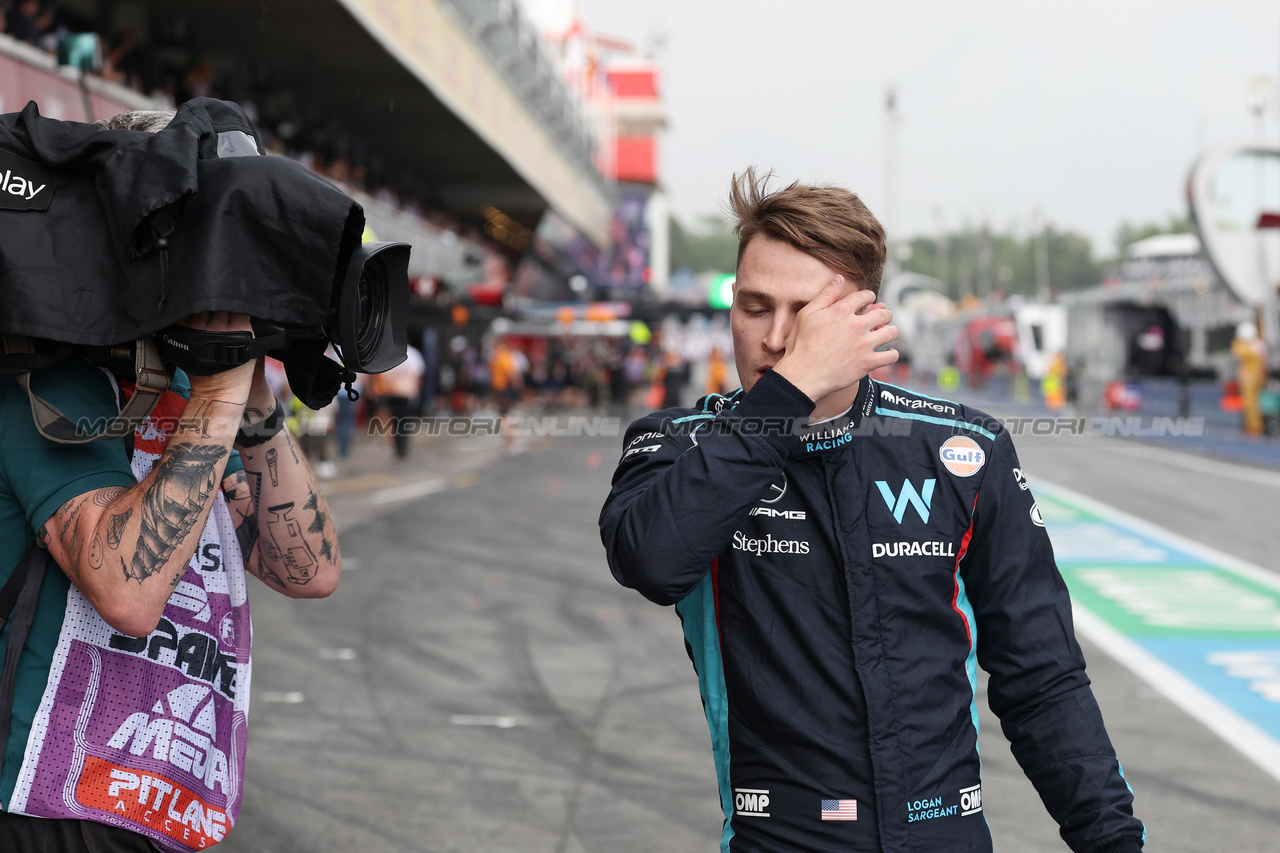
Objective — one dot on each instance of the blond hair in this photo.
(828, 223)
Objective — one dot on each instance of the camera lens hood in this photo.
(373, 308)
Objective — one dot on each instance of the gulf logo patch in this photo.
(962, 456)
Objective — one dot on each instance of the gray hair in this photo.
(148, 120)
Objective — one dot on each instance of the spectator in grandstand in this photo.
(25, 22)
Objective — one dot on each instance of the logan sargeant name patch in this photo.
(24, 185)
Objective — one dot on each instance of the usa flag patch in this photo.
(839, 809)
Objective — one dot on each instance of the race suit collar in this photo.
(834, 433)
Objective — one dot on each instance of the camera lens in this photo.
(372, 309)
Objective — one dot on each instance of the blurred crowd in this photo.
(166, 68)
(501, 377)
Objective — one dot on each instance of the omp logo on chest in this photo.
(751, 802)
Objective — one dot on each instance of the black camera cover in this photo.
(116, 234)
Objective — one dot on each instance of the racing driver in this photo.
(842, 554)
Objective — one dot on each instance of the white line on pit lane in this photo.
(1252, 742)
(499, 722)
(1199, 464)
(404, 493)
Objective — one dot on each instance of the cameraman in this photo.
(131, 697)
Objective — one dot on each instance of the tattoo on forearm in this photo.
(272, 460)
(266, 574)
(115, 528)
(95, 552)
(284, 543)
(181, 489)
(198, 416)
(317, 525)
(252, 416)
(106, 497)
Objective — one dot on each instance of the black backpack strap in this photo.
(18, 599)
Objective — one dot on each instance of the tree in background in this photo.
(708, 247)
(1131, 233)
(977, 261)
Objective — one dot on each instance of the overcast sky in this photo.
(1093, 111)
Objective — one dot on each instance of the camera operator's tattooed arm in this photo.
(126, 548)
(286, 532)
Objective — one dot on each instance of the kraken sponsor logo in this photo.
(917, 403)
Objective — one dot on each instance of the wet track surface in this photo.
(480, 683)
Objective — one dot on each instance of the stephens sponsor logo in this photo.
(916, 403)
(770, 512)
(751, 802)
(962, 456)
(1036, 518)
(937, 548)
(768, 545)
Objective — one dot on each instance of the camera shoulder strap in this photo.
(18, 599)
(152, 381)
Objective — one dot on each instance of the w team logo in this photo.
(907, 496)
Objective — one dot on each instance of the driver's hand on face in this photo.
(231, 385)
(834, 341)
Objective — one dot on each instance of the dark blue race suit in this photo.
(838, 585)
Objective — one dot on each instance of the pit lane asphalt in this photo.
(480, 683)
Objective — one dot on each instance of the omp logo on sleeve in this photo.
(907, 496)
(24, 185)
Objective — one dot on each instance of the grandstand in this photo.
(447, 119)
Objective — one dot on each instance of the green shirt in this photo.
(37, 477)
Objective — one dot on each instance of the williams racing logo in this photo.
(907, 496)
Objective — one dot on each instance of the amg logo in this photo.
(793, 514)
(914, 403)
(750, 802)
